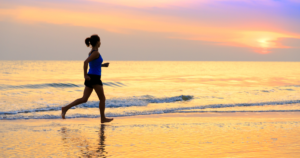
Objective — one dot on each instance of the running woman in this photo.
(92, 79)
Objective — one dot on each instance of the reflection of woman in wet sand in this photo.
(69, 136)
(82, 141)
(101, 147)
(92, 79)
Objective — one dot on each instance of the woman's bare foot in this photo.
(63, 112)
(106, 120)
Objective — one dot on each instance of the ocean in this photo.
(38, 89)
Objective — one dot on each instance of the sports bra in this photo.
(95, 65)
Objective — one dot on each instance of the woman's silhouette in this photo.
(92, 78)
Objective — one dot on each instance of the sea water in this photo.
(38, 89)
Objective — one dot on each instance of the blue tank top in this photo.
(95, 65)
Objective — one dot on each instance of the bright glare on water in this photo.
(37, 89)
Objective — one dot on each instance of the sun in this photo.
(264, 43)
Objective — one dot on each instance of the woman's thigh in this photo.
(100, 91)
(87, 92)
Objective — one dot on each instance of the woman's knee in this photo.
(102, 98)
(84, 100)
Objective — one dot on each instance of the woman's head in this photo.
(94, 40)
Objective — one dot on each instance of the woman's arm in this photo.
(105, 65)
(86, 63)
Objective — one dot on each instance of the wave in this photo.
(55, 85)
(111, 103)
(114, 84)
(38, 86)
(142, 101)
(137, 101)
(290, 86)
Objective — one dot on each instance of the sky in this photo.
(160, 30)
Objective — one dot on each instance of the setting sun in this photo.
(264, 43)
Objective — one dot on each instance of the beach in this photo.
(271, 134)
(168, 79)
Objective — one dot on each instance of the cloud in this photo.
(290, 42)
(187, 3)
(139, 3)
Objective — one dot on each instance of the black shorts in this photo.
(95, 79)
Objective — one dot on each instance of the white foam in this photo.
(110, 103)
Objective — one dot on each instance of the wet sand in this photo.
(267, 134)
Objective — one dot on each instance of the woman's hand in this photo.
(105, 65)
(87, 77)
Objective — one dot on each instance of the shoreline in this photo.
(180, 114)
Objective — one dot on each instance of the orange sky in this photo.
(248, 24)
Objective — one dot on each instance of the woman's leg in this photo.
(100, 92)
(86, 94)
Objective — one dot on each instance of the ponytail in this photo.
(93, 40)
(87, 41)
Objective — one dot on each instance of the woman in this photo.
(92, 78)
